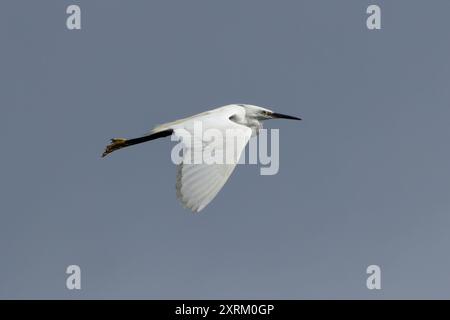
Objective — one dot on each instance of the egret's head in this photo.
(259, 113)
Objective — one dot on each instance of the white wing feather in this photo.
(198, 184)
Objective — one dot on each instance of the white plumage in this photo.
(198, 183)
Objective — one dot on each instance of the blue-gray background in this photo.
(364, 179)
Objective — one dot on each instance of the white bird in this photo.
(198, 183)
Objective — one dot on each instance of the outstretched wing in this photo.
(198, 183)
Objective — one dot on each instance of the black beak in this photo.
(283, 116)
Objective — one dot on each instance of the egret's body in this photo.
(198, 183)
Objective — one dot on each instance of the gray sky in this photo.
(364, 179)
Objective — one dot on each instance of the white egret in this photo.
(198, 183)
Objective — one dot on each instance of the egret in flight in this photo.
(198, 183)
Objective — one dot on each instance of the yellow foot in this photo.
(115, 144)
